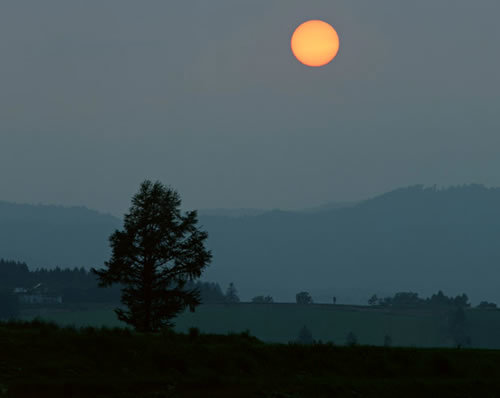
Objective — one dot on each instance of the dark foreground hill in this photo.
(416, 238)
(40, 360)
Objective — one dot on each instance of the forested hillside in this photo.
(415, 238)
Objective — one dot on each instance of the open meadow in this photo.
(280, 323)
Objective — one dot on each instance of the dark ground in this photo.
(42, 360)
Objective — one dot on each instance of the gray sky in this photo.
(206, 96)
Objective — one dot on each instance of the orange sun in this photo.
(315, 43)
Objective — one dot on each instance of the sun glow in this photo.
(315, 43)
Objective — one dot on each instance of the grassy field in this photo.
(328, 323)
(41, 360)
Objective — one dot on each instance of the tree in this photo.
(158, 251)
(232, 294)
(484, 305)
(262, 300)
(373, 300)
(387, 340)
(461, 301)
(210, 292)
(303, 298)
(305, 336)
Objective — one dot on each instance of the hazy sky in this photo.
(96, 96)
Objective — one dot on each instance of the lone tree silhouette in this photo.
(303, 298)
(153, 257)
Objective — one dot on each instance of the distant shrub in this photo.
(69, 329)
(485, 305)
(88, 330)
(247, 335)
(232, 294)
(168, 333)
(305, 336)
(262, 300)
(387, 341)
(412, 300)
(194, 333)
(303, 298)
(373, 300)
(210, 292)
(351, 339)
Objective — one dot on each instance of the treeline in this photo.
(438, 300)
(79, 285)
(74, 285)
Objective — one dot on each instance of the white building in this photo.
(37, 295)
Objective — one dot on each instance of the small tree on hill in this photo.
(232, 294)
(303, 298)
(156, 253)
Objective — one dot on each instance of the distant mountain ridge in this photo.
(242, 212)
(251, 212)
(415, 238)
(49, 236)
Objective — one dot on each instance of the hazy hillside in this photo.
(53, 235)
(412, 238)
(231, 212)
(415, 238)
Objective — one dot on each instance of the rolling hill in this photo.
(414, 238)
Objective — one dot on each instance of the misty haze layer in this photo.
(206, 96)
(418, 239)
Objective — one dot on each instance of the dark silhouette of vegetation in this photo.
(78, 285)
(232, 294)
(305, 336)
(373, 300)
(485, 305)
(194, 333)
(210, 292)
(153, 257)
(403, 300)
(351, 339)
(412, 300)
(303, 298)
(40, 359)
(13, 274)
(74, 285)
(262, 300)
(422, 243)
(387, 341)
(9, 305)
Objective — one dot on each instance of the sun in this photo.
(315, 43)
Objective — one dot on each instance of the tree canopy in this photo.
(158, 251)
